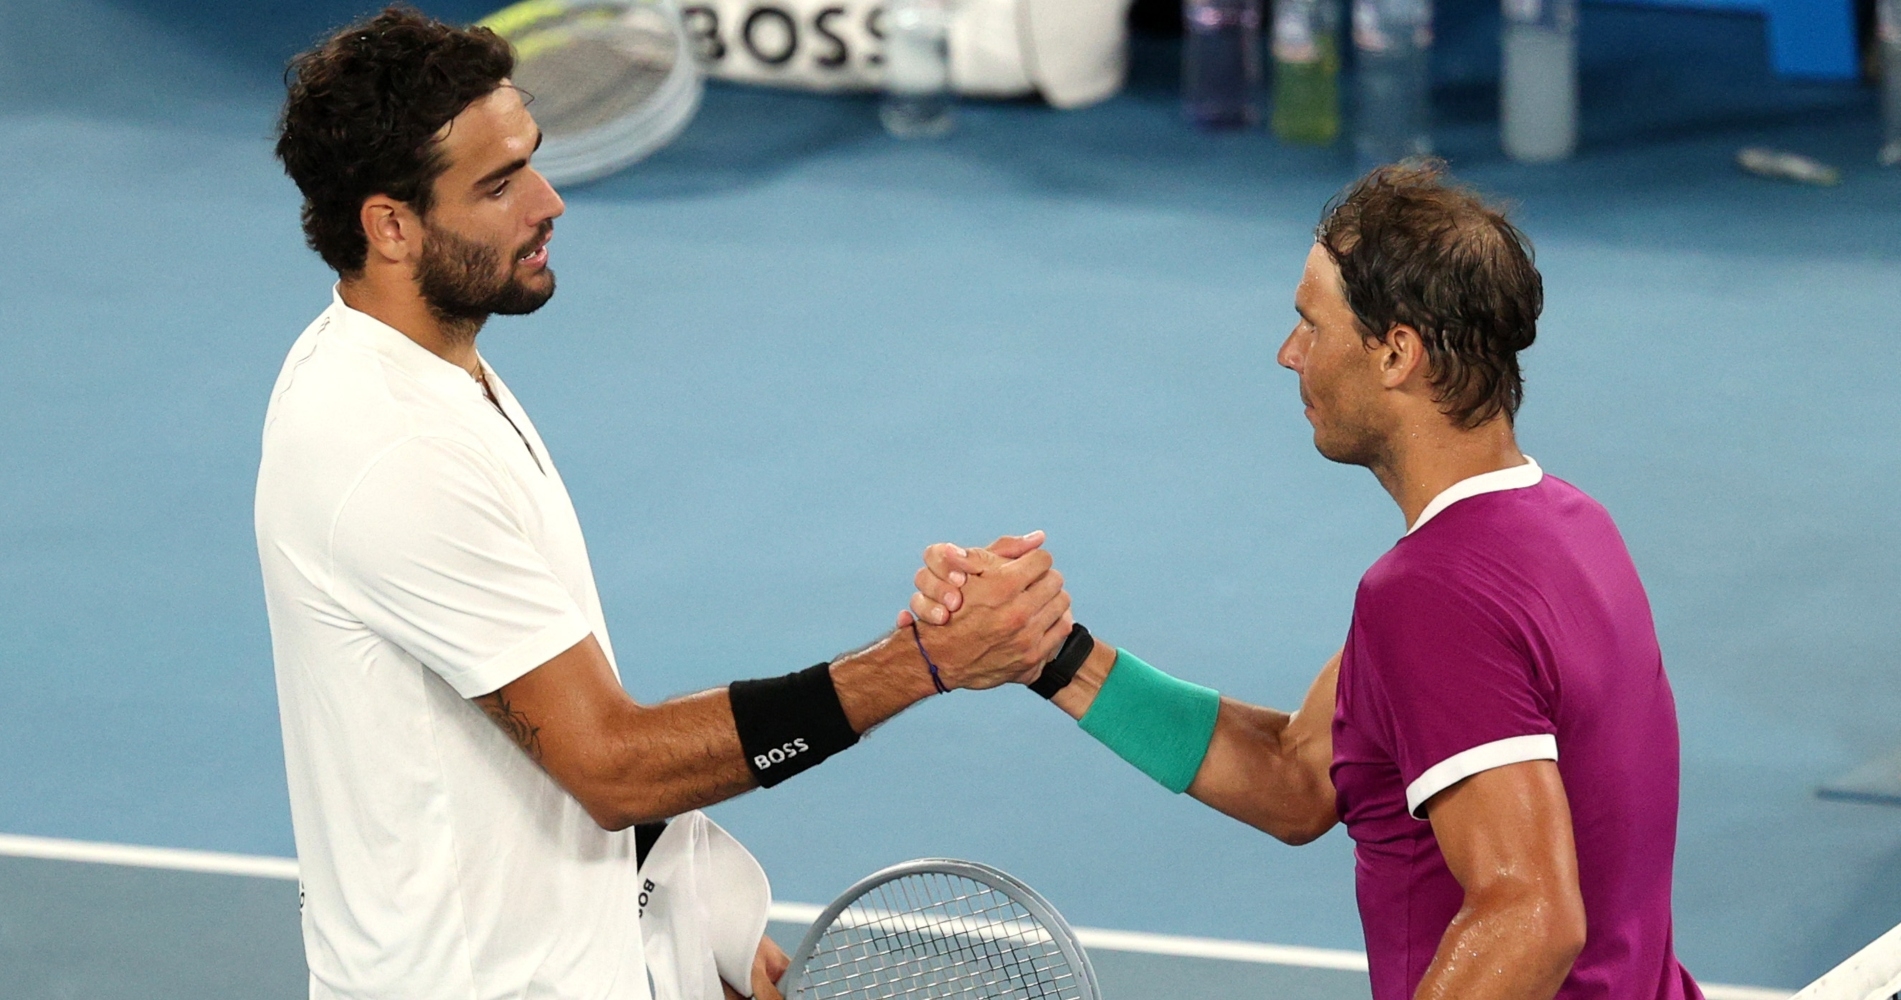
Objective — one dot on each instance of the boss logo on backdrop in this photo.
(825, 44)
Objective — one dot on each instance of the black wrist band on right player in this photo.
(789, 724)
(1059, 672)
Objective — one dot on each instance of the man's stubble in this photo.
(463, 281)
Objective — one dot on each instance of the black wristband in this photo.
(788, 724)
(1059, 672)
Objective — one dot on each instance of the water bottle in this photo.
(1538, 88)
(1221, 63)
(1392, 39)
(1306, 71)
(1888, 32)
(917, 96)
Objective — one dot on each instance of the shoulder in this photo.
(1522, 516)
(339, 404)
(337, 413)
(1435, 587)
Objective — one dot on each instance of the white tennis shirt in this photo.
(419, 551)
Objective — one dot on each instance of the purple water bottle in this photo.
(1221, 63)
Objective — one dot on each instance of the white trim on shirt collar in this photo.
(1515, 478)
(397, 346)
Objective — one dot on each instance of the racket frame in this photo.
(1003, 882)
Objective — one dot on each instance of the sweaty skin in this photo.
(1506, 832)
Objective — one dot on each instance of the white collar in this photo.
(1515, 478)
(396, 346)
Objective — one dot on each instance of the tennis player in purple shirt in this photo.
(1497, 734)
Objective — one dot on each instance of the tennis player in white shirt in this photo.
(464, 763)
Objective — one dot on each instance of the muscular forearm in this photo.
(686, 753)
(881, 680)
(1507, 944)
(1259, 771)
(667, 759)
(1260, 768)
(628, 763)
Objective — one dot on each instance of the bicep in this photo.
(1506, 832)
(562, 709)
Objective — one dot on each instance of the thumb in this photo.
(981, 560)
(1016, 546)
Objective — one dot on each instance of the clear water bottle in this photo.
(1392, 40)
(1538, 85)
(917, 95)
(1307, 71)
(1888, 32)
(1221, 63)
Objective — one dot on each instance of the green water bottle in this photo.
(1307, 71)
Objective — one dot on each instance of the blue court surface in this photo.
(789, 352)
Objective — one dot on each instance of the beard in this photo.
(1352, 434)
(1350, 446)
(467, 282)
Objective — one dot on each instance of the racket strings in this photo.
(588, 71)
(934, 935)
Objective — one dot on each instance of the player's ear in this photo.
(1403, 356)
(393, 230)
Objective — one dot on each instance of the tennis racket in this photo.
(938, 929)
(611, 80)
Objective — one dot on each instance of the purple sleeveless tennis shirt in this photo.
(1509, 625)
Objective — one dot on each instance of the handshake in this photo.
(985, 617)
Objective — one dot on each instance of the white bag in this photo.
(703, 903)
(1073, 52)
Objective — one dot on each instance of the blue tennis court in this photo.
(790, 351)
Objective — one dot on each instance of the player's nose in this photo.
(550, 205)
(1290, 355)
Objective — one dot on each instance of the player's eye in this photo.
(498, 190)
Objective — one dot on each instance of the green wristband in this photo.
(1159, 723)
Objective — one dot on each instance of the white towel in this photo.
(703, 903)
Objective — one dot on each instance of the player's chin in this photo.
(537, 284)
(533, 275)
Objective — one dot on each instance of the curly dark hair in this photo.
(362, 117)
(1417, 250)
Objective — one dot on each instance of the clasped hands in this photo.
(989, 616)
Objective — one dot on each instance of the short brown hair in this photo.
(362, 114)
(1417, 250)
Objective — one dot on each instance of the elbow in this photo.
(616, 799)
(613, 821)
(1303, 830)
(618, 816)
(1312, 814)
(1558, 922)
(1567, 933)
(1299, 820)
(1550, 924)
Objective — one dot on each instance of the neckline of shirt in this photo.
(1515, 478)
(395, 346)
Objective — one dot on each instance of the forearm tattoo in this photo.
(526, 734)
